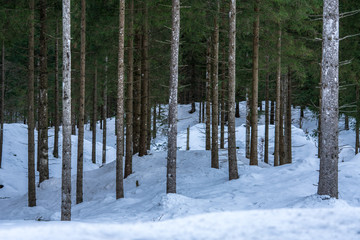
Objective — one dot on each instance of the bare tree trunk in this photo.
(31, 120)
(357, 120)
(233, 170)
(56, 90)
(188, 138)
(200, 110)
(255, 90)
(283, 125)
(301, 116)
(66, 151)
(208, 95)
(346, 122)
(104, 112)
(137, 96)
(237, 110)
(267, 79)
(144, 86)
(328, 177)
(173, 96)
(215, 92)
(94, 118)
(43, 101)
(272, 113)
(223, 88)
(288, 120)
(73, 116)
(319, 118)
(248, 123)
(2, 101)
(278, 92)
(154, 122)
(120, 105)
(130, 90)
(80, 150)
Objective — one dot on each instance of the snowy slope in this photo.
(265, 203)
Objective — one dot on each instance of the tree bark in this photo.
(130, 90)
(80, 150)
(208, 95)
(346, 122)
(120, 105)
(43, 101)
(248, 123)
(104, 112)
(278, 92)
(2, 101)
(66, 151)
(357, 120)
(144, 86)
(283, 113)
(215, 92)
(281, 123)
(328, 177)
(255, 90)
(94, 118)
(137, 96)
(288, 120)
(272, 113)
(31, 120)
(173, 96)
(267, 79)
(237, 110)
(154, 122)
(233, 170)
(56, 90)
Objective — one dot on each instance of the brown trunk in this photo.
(288, 120)
(104, 112)
(215, 92)
(278, 92)
(208, 95)
(144, 86)
(272, 113)
(266, 154)
(31, 120)
(154, 122)
(94, 117)
(2, 101)
(237, 109)
(282, 148)
(346, 122)
(130, 90)
(248, 123)
(137, 95)
(43, 101)
(255, 90)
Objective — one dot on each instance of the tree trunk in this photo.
(130, 90)
(43, 101)
(301, 116)
(237, 110)
(120, 105)
(288, 120)
(328, 177)
(272, 113)
(104, 112)
(267, 79)
(233, 170)
(144, 86)
(200, 110)
(281, 123)
(73, 116)
(188, 138)
(56, 90)
(223, 84)
(31, 120)
(255, 90)
(203, 112)
(154, 122)
(248, 121)
(215, 92)
(278, 92)
(346, 122)
(66, 151)
(174, 68)
(2, 101)
(94, 118)
(208, 95)
(283, 126)
(80, 150)
(137, 96)
(357, 120)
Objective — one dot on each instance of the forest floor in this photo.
(266, 202)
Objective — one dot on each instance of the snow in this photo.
(264, 203)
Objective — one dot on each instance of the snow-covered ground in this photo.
(264, 203)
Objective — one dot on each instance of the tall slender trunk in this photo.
(215, 92)
(272, 113)
(267, 79)
(137, 95)
(104, 112)
(43, 101)
(154, 122)
(283, 140)
(144, 86)
(248, 123)
(319, 118)
(208, 95)
(278, 92)
(120, 105)
(94, 118)
(346, 122)
(255, 90)
(56, 90)
(2, 101)
(31, 120)
(173, 97)
(233, 170)
(203, 112)
(328, 177)
(223, 84)
(357, 120)
(73, 115)
(200, 110)
(288, 119)
(237, 110)
(301, 116)
(130, 101)
(80, 150)
(66, 147)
